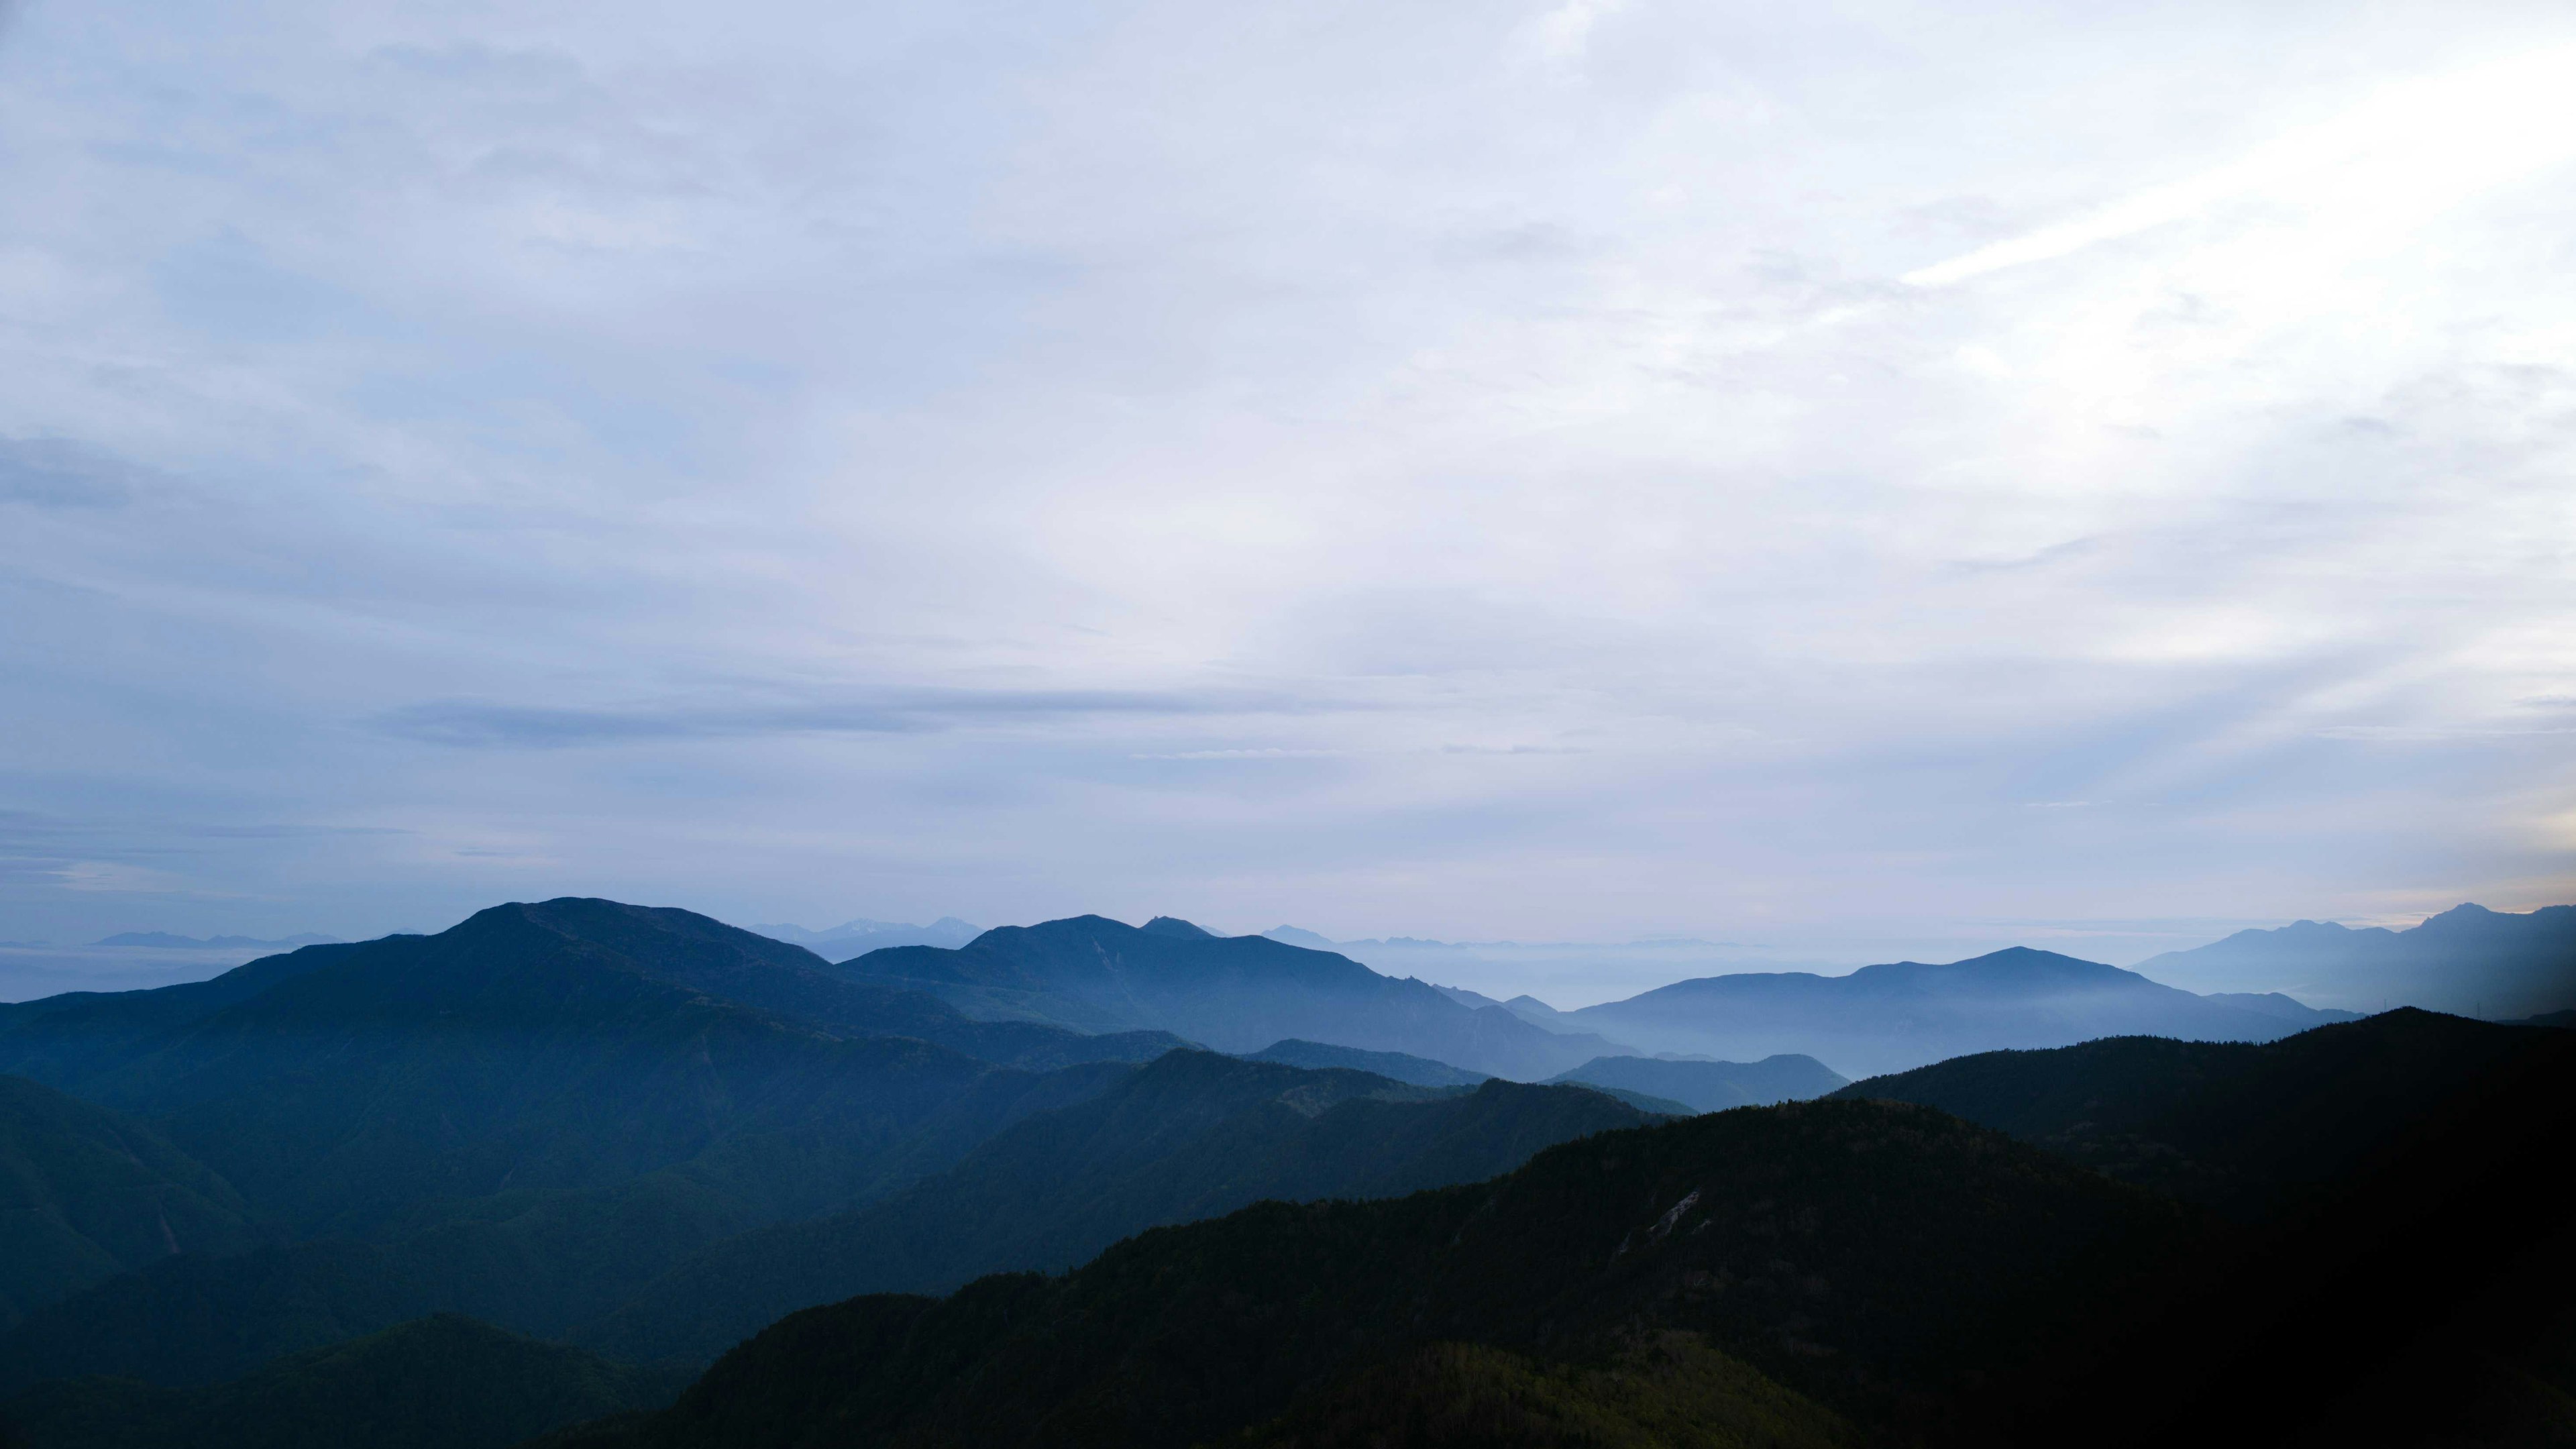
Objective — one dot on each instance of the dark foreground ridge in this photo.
(1191, 1136)
(440, 1383)
(1823, 1270)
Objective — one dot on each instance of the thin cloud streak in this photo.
(2452, 133)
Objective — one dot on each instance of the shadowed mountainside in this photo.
(1854, 1251)
(438, 1383)
(1795, 1269)
(1233, 993)
(527, 1117)
(1192, 1136)
(86, 1194)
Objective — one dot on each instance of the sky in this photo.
(1842, 481)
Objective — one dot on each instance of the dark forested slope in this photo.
(439, 1383)
(86, 1194)
(1192, 1136)
(1707, 1086)
(2393, 1266)
(527, 1117)
(1864, 1254)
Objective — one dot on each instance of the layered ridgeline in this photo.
(533, 1117)
(1671, 1086)
(1706, 1086)
(439, 1383)
(1907, 1013)
(87, 1194)
(1823, 1272)
(1192, 1136)
(2469, 961)
(1232, 993)
(527, 1117)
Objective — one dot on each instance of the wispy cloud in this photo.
(2450, 135)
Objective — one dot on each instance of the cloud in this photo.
(798, 461)
(469, 724)
(57, 473)
(2445, 137)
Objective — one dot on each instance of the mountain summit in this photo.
(1234, 993)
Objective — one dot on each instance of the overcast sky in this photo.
(1854, 479)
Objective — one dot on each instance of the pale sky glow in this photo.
(1860, 480)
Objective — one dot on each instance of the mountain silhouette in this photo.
(1887, 1018)
(527, 1116)
(1232, 993)
(1396, 1066)
(1857, 1252)
(1706, 1086)
(1193, 1135)
(1851, 1269)
(2468, 961)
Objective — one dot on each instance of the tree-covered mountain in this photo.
(554, 1047)
(1233, 993)
(2407, 1263)
(1905, 1014)
(2243, 1126)
(1192, 1136)
(1809, 1272)
(1862, 1254)
(527, 1117)
(1706, 1086)
(444, 1382)
(2468, 961)
(1395, 1066)
(87, 1194)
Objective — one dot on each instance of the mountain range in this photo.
(1232, 993)
(2468, 961)
(859, 936)
(1908, 1013)
(652, 1134)
(1860, 1269)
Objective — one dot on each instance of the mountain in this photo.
(444, 1382)
(2468, 961)
(560, 1046)
(857, 937)
(1192, 1136)
(1395, 1066)
(164, 941)
(1713, 1086)
(527, 1117)
(1234, 993)
(1887, 1018)
(2237, 1124)
(1856, 1254)
(86, 1194)
(1829, 1271)
(2410, 1264)
(1292, 936)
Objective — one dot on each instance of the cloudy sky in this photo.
(1853, 479)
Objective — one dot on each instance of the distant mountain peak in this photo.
(1175, 926)
(1297, 936)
